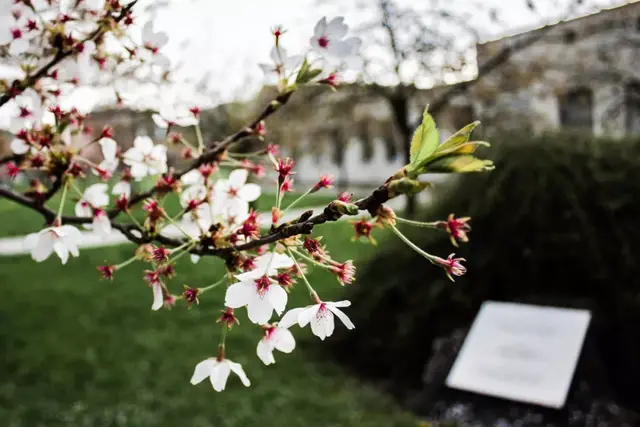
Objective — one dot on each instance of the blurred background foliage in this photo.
(555, 224)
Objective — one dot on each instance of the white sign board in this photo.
(521, 352)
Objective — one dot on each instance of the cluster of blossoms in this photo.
(264, 255)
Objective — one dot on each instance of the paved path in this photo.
(15, 245)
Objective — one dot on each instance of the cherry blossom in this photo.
(257, 291)
(109, 149)
(267, 264)
(282, 64)
(27, 110)
(19, 146)
(328, 39)
(234, 193)
(94, 199)
(62, 240)
(261, 296)
(218, 372)
(14, 35)
(122, 188)
(170, 116)
(319, 315)
(79, 68)
(153, 42)
(145, 158)
(275, 338)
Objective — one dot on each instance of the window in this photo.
(632, 107)
(576, 109)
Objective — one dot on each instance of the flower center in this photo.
(16, 33)
(233, 192)
(262, 285)
(25, 112)
(322, 311)
(323, 42)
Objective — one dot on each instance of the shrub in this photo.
(556, 223)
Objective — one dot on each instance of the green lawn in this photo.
(77, 351)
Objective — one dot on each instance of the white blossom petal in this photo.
(343, 317)
(322, 324)
(158, 299)
(139, 171)
(249, 192)
(265, 352)
(122, 187)
(143, 143)
(237, 178)
(239, 294)
(285, 342)
(259, 310)
(18, 146)
(219, 375)
(202, 371)
(237, 369)
(277, 297)
(61, 250)
(42, 248)
(290, 318)
(109, 148)
(308, 314)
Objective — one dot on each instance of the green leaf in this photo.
(459, 164)
(425, 140)
(303, 70)
(306, 73)
(460, 137)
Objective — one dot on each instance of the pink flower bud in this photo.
(107, 271)
(195, 111)
(326, 181)
(451, 265)
(332, 80)
(228, 318)
(287, 185)
(362, 229)
(12, 169)
(122, 203)
(275, 215)
(273, 149)
(107, 132)
(345, 272)
(190, 295)
(160, 254)
(345, 197)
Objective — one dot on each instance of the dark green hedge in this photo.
(556, 223)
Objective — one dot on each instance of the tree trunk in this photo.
(399, 101)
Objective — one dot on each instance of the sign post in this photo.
(521, 352)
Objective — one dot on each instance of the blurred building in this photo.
(581, 74)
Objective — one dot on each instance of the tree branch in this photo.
(216, 149)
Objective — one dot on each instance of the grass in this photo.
(77, 351)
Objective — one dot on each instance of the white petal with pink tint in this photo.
(320, 316)
(158, 298)
(218, 372)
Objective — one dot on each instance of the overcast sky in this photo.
(228, 37)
